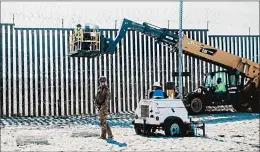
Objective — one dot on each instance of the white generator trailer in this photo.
(169, 115)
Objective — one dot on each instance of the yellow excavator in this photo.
(241, 77)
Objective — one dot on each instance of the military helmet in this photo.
(102, 79)
(78, 25)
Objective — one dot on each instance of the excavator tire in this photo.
(255, 106)
(196, 106)
(241, 107)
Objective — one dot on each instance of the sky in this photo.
(223, 17)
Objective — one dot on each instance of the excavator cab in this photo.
(207, 94)
(211, 81)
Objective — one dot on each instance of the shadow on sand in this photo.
(112, 141)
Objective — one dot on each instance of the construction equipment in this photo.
(240, 94)
(169, 115)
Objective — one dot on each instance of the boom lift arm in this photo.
(161, 35)
(190, 47)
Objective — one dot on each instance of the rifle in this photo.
(96, 105)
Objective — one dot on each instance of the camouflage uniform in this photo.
(102, 102)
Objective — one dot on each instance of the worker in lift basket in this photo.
(78, 35)
(102, 100)
(87, 36)
(220, 86)
(157, 92)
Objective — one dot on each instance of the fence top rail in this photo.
(102, 29)
(115, 29)
(7, 24)
(22, 28)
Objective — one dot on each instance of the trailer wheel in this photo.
(196, 106)
(173, 128)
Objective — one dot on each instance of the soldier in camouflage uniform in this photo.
(102, 100)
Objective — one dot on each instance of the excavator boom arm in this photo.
(221, 58)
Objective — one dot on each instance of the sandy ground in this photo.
(224, 132)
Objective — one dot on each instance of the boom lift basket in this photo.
(88, 47)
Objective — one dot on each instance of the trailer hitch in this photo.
(199, 126)
(203, 128)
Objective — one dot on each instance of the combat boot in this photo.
(103, 135)
(109, 132)
(111, 137)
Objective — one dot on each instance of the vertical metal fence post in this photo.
(13, 18)
(1, 62)
(0, 12)
(115, 23)
(180, 51)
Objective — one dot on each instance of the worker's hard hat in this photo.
(157, 84)
(102, 79)
(87, 27)
(78, 25)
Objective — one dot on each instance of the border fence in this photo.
(37, 78)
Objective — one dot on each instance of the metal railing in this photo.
(91, 39)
